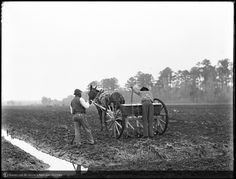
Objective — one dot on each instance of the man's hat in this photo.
(144, 89)
(77, 92)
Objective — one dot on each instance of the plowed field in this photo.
(199, 137)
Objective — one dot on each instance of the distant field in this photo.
(199, 137)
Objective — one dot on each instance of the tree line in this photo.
(203, 83)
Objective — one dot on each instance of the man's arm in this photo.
(84, 103)
(71, 110)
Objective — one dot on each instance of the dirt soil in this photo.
(199, 137)
(13, 158)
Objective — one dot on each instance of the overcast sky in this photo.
(51, 48)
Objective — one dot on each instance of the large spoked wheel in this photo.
(133, 126)
(160, 120)
(114, 122)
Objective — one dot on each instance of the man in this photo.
(147, 110)
(78, 109)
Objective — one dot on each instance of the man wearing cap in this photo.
(78, 109)
(147, 110)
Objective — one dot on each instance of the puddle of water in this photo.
(55, 163)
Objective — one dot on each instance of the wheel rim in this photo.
(160, 121)
(114, 122)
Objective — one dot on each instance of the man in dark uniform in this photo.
(78, 109)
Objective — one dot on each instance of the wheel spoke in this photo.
(118, 124)
(162, 121)
(139, 124)
(114, 130)
(117, 129)
(108, 120)
(109, 115)
(130, 125)
(119, 118)
(161, 108)
(161, 127)
(110, 125)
